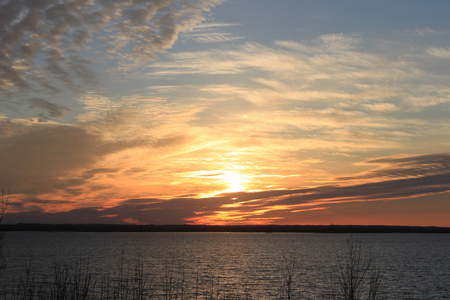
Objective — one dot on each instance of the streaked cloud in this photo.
(259, 207)
(170, 112)
(211, 33)
(408, 166)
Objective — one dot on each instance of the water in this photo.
(413, 266)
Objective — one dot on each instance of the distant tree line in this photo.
(222, 228)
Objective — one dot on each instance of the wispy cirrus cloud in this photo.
(331, 68)
(333, 86)
(212, 33)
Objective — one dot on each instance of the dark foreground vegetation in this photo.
(223, 228)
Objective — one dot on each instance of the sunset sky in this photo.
(225, 112)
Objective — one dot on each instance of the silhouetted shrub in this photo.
(359, 276)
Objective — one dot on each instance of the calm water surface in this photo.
(414, 266)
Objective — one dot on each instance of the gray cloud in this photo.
(40, 40)
(407, 166)
(180, 210)
(427, 159)
(410, 176)
(384, 190)
(53, 110)
(156, 211)
(83, 215)
(35, 156)
(71, 184)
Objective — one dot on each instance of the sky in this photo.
(225, 111)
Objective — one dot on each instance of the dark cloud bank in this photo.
(435, 178)
(35, 156)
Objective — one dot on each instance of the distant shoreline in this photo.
(223, 228)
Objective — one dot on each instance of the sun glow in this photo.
(234, 180)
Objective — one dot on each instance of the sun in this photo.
(234, 180)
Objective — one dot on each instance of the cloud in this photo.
(427, 159)
(382, 107)
(383, 190)
(42, 41)
(407, 166)
(85, 177)
(87, 160)
(266, 110)
(337, 92)
(246, 206)
(148, 211)
(210, 33)
(36, 157)
(53, 110)
(330, 68)
(262, 206)
(440, 52)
